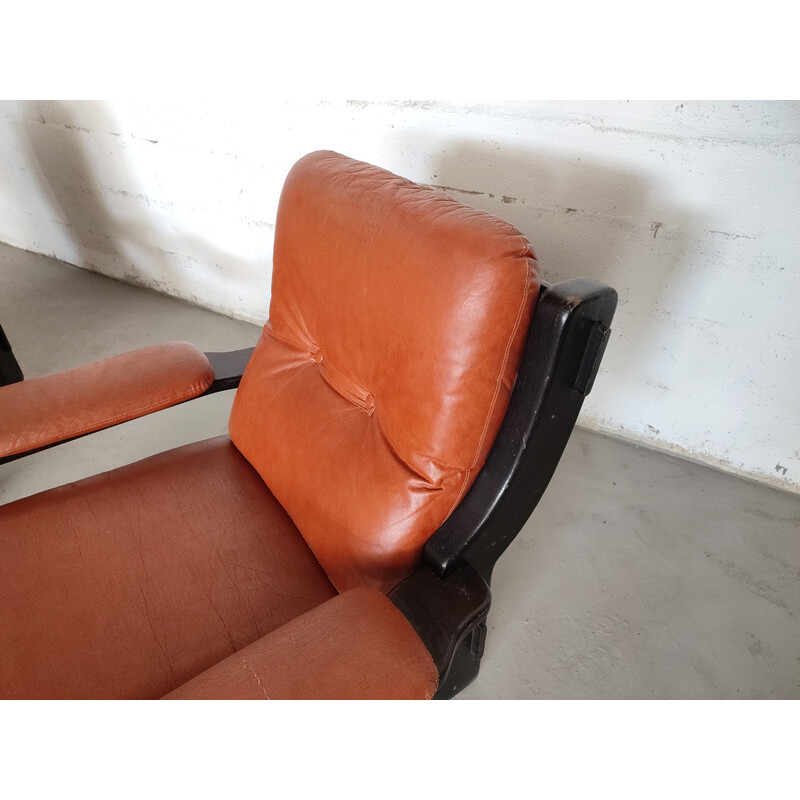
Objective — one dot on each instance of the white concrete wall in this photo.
(687, 208)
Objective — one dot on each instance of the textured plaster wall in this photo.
(687, 208)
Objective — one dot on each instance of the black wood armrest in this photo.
(449, 616)
(228, 368)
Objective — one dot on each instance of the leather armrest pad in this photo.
(356, 646)
(38, 412)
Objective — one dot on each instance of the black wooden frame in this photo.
(565, 344)
(9, 368)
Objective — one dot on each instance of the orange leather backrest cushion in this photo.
(376, 390)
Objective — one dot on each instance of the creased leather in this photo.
(40, 411)
(418, 307)
(356, 646)
(337, 380)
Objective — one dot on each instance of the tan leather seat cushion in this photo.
(127, 584)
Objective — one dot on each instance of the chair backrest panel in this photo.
(397, 322)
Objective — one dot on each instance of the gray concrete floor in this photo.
(640, 575)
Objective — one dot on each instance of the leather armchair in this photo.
(392, 430)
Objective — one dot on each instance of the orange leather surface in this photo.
(128, 584)
(396, 326)
(357, 646)
(40, 411)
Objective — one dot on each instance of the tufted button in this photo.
(316, 354)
